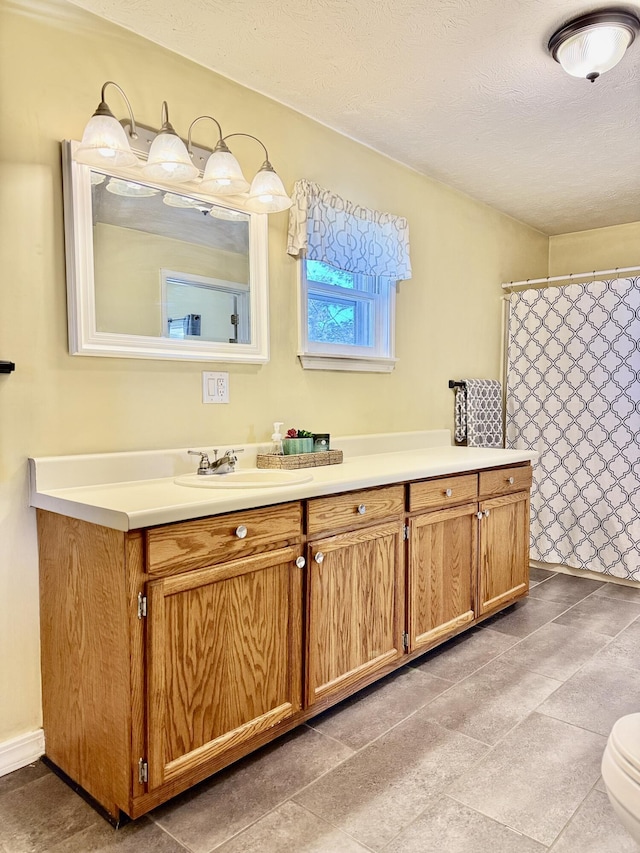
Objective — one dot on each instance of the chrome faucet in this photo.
(225, 465)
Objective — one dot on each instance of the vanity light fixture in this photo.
(222, 172)
(168, 158)
(594, 43)
(106, 143)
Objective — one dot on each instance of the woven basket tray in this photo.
(300, 460)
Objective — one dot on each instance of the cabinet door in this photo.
(356, 604)
(441, 576)
(504, 550)
(224, 654)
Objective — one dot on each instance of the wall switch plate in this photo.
(215, 387)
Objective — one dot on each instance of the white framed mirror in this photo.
(159, 271)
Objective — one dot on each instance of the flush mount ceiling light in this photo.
(164, 157)
(594, 43)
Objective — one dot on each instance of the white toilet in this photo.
(621, 772)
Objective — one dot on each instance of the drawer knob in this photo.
(319, 557)
(448, 492)
(510, 481)
(487, 512)
(362, 509)
(301, 562)
(241, 532)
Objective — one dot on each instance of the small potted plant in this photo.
(297, 441)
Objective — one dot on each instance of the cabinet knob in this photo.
(362, 509)
(241, 531)
(478, 515)
(301, 562)
(319, 557)
(510, 481)
(448, 492)
(487, 512)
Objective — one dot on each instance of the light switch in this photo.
(215, 387)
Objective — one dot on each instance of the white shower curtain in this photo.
(573, 394)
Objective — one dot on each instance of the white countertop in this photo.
(72, 485)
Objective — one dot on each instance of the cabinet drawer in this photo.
(445, 491)
(205, 541)
(505, 480)
(353, 508)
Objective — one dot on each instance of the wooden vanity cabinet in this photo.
(355, 589)
(224, 653)
(503, 574)
(172, 651)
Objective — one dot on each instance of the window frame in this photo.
(319, 355)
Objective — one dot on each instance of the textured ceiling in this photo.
(461, 90)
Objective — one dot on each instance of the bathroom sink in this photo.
(250, 478)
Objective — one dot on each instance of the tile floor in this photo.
(490, 743)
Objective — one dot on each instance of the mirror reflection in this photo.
(168, 265)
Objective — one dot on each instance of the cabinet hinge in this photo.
(405, 641)
(142, 605)
(405, 532)
(143, 771)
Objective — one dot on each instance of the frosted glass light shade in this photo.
(267, 193)
(169, 160)
(223, 175)
(104, 143)
(594, 51)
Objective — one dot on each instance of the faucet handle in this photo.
(204, 458)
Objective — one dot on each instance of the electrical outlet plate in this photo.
(215, 387)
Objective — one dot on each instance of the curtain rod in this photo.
(570, 277)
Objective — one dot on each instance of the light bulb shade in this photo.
(104, 143)
(267, 193)
(594, 51)
(169, 160)
(595, 43)
(223, 175)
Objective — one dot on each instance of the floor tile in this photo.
(624, 650)
(526, 616)
(619, 592)
(555, 650)
(376, 793)
(291, 828)
(595, 829)
(565, 589)
(216, 809)
(595, 697)
(135, 837)
(465, 654)
(36, 816)
(535, 778)
(601, 615)
(373, 711)
(489, 703)
(22, 777)
(450, 827)
(537, 575)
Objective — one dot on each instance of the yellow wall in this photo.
(599, 249)
(53, 60)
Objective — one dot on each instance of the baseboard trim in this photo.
(563, 569)
(20, 751)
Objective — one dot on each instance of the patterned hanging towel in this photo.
(478, 413)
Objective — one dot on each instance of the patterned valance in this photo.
(324, 227)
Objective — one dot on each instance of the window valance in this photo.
(325, 227)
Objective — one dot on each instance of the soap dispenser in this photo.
(276, 439)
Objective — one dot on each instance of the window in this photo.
(351, 258)
(346, 319)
